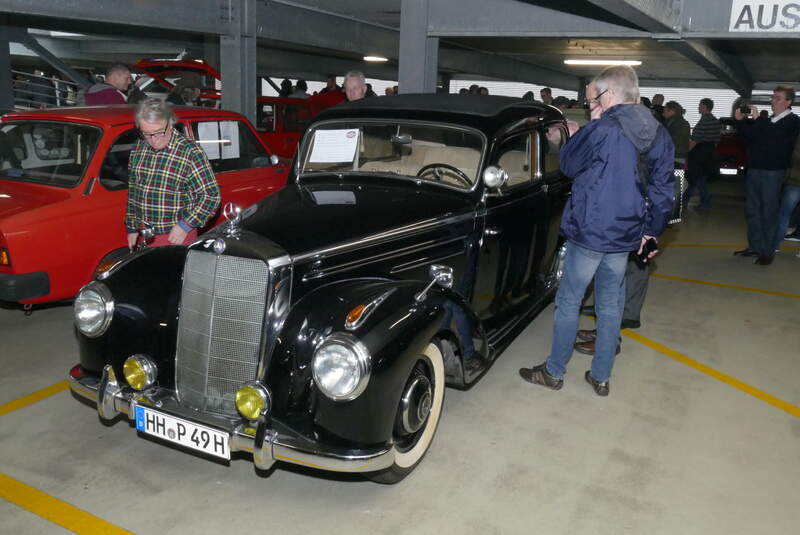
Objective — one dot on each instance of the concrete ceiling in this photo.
(680, 42)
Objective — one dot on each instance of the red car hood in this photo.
(18, 197)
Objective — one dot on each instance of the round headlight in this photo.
(140, 372)
(341, 367)
(93, 309)
(252, 400)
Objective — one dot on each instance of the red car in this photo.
(63, 189)
(280, 121)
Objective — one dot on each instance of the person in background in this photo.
(562, 103)
(300, 90)
(330, 85)
(286, 88)
(355, 86)
(790, 200)
(474, 89)
(605, 219)
(172, 187)
(678, 129)
(113, 90)
(546, 94)
(528, 96)
(658, 107)
(702, 160)
(770, 143)
(463, 91)
(370, 92)
(646, 103)
(389, 91)
(483, 91)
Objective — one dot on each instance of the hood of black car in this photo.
(329, 211)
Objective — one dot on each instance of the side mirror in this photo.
(494, 177)
(274, 160)
(441, 275)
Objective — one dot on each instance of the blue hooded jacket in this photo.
(606, 211)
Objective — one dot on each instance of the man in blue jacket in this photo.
(611, 212)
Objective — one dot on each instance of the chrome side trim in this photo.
(242, 436)
(414, 228)
(369, 308)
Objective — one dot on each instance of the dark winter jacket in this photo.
(770, 145)
(606, 211)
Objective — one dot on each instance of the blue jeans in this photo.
(763, 193)
(608, 271)
(791, 197)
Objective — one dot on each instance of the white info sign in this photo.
(334, 146)
(765, 16)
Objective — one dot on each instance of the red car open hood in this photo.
(17, 197)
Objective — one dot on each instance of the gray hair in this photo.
(153, 110)
(621, 80)
(356, 75)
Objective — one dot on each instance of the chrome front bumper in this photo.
(265, 444)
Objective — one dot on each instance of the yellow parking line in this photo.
(730, 286)
(61, 513)
(785, 406)
(30, 399)
(718, 246)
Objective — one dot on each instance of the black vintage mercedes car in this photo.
(416, 239)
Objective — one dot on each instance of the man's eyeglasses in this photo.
(596, 100)
(153, 135)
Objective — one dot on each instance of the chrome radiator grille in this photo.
(219, 329)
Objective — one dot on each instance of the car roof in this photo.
(116, 114)
(486, 112)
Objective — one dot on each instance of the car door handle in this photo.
(492, 231)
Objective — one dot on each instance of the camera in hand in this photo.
(745, 109)
(642, 259)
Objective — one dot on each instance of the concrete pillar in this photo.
(6, 84)
(419, 54)
(238, 61)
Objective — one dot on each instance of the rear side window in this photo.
(230, 145)
(42, 152)
(114, 171)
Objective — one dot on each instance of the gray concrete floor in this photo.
(672, 450)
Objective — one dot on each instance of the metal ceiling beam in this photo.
(22, 37)
(505, 68)
(511, 18)
(662, 16)
(195, 16)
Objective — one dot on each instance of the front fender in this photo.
(146, 291)
(395, 333)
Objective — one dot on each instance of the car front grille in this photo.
(219, 329)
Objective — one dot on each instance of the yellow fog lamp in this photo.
(253, 400)
(140, 372)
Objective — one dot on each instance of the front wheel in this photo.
(417, 416)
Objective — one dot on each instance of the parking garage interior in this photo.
(701, 432)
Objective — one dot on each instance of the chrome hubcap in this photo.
(415, 405)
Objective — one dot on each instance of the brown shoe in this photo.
(538, 375)
(587, 348)
(587, 335)
(601, 389)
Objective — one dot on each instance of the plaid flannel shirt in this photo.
(171, 186)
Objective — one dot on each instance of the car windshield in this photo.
(436, 153)
(46, 152)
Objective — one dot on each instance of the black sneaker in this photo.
(794, 236)
(631, 324)
(601, 389)
(538, 375)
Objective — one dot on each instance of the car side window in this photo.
(556, 137)
(265, 118)
(230, 145)
(114, 171)
(514, 156)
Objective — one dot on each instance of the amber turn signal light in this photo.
(5, 260)
(355, 314)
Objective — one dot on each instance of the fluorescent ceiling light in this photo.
(378, 59)
(631, 62)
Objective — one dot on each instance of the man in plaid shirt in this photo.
(172, 187)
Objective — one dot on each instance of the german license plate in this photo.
(183, 432)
